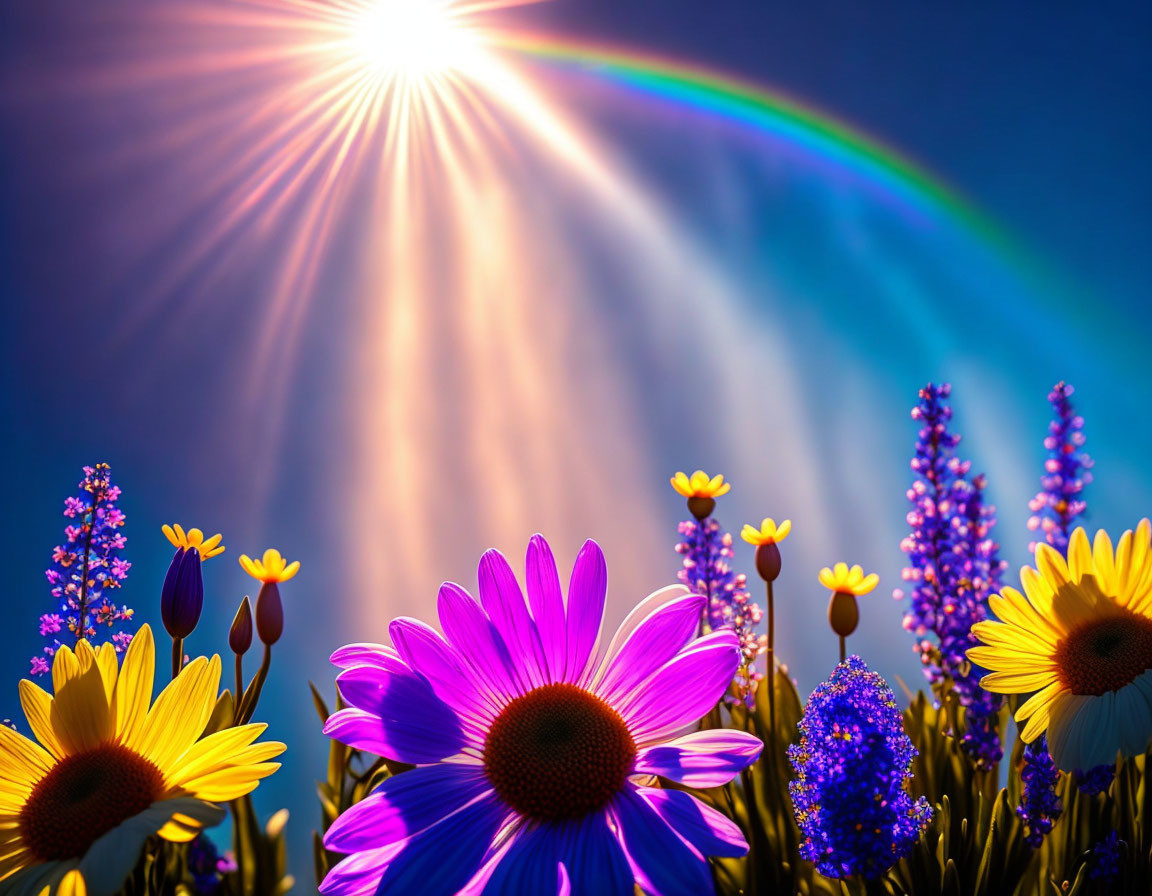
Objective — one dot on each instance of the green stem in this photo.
(771, 663)
(177, 656)
(252, 694)
(82, 606)
(239, 693)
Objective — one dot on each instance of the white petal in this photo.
(111, 859)
(1134, 708)
(1062, 726)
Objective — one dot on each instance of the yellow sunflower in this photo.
(112, 769)
(1079, 640)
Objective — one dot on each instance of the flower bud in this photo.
(843, 613)
(269, 613)
(240, 635)
(182, 597)
(768, 561)
(701, 507)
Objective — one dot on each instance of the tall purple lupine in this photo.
(1055, 511)
(953, 567)
(706, 570)
(980, 571)
(85, 568)
(1059, 504)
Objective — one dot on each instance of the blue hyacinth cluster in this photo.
(1104, 863)
(851, 769)
(953, 567)
(1095, 780)
(707, 551)
(87, 570)
(1039, 805)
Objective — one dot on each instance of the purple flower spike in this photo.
(1058, 505)
(85, 569)
(534, 744)
(953, 568)
(707, 552)
(1057, 508)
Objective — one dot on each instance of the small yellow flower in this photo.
(843, 580)
(194, 538)
(272, 568)
(700, 485)
(768, 533)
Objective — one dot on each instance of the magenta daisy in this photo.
(536, 751)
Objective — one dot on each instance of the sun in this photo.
(412, 39)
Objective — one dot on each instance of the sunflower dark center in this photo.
(558, 752)
(85, 796)
(1105, 654)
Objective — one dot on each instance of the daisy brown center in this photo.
(1105, 654)
(85, 796)
(558, 752)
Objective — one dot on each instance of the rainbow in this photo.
(772, 113)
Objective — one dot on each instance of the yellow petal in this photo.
(133, 694)
(21, 760)
(1079, 554)
(72, 884)
(37, 706)
(80, 713)
(109, 668)
(1052, 566)
(1038, 704)
(869, 583)
(1104, 562)
(233, 783)
(180, 713)
(65, 667)
(827, 579)
(290, 570)
(1018, 682)
(783, 530)
(1015, 609)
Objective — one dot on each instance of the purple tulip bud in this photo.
(240, 635)
(182, 597)
(269, 613)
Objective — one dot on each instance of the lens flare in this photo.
(423, 191)
(410, 38)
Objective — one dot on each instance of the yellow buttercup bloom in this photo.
(194, 538)
(1079, 640)
(272, 568)
(843, 580)
(699, 485)
(111, 769)
(768, 533)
